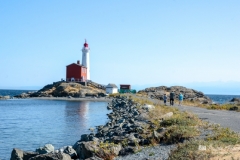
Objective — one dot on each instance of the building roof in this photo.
(76, 65)
(111, 85)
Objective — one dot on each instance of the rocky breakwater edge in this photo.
(189, 94)
(127, 131)
(67, 89)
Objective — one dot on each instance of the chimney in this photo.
(78, 62)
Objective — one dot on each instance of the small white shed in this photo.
(111, 88)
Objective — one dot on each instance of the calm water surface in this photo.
(29, 124)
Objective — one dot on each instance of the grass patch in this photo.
(224, 136)
(221, 144)
(189, 151)
(106, 151)
(181, 126)
(231, 107)
(227, 106)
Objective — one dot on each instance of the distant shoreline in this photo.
(102, 99)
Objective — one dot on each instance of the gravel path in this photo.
(159, 152)
(230, 119)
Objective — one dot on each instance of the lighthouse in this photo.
(85, 58)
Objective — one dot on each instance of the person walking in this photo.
(172, 95)
(165, 99)
(180, 98)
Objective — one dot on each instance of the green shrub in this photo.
(183, 119)
(189, 151)
(225, 136)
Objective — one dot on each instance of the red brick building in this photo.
(76, 72)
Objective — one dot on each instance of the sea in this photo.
(30, 123)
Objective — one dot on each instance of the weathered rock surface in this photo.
(189, 94)
(47, 148)
(64, 89)
(4, 97)
(52, 156)
(236, 100)
(18, 154)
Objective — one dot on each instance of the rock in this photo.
(148, 107)
(18, 154)
(126, 151)
(85, 149)
(4, 97)
(52, 156)
(94, 158)
(48, 148)
(116, 149)
(234, 108)
(202, 148)
(23, 95)
(158, 92)
(28, 155)
(63, 89)
(235, 100)
(71, 152)
(85, 137)
(167, 115)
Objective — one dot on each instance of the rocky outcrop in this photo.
(4, 97)
(189, 94)
(24, 95)
(65, 89)
(235, 100)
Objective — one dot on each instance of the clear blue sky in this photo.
(143, 43)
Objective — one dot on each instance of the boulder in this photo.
(94, 158)
(52, 156)
(18, 154)
(85, 149)
(71, 152)
(167, 115)
(48, 148)
(235, 100)
(4, 97)
(148, 107)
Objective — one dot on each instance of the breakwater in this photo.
(128, 128)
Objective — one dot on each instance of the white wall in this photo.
(111, 90)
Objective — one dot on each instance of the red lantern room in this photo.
(76, 72)
(85, 44)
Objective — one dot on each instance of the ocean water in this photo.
(222, 98)
(11, 93)
(29, 124)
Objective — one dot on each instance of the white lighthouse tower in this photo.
(85, 58)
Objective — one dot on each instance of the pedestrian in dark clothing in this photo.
(172, 96)
(165, 99)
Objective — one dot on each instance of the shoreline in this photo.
(102, 99)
